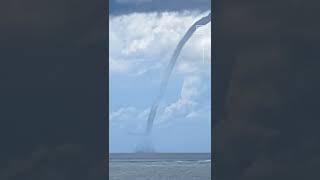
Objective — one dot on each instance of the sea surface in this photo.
(160, 166)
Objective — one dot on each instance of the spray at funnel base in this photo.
(145, 146)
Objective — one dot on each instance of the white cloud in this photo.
(118, 66)
(150, 38)
(192, 105)
(129, 119)
(144, 42)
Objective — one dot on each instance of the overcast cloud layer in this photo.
(130, 6)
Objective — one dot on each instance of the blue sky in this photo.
(141, 42)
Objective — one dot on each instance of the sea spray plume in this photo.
(203, 21)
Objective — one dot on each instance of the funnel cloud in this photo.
(203, 21)
(146, 145)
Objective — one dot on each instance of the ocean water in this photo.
(160, 166)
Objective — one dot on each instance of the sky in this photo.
(53, 87)
(142, 37)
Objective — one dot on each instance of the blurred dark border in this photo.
(54, 89)
(266, 90)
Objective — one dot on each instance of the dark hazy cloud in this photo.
(53, 83)
(266, 90)
(129, 6)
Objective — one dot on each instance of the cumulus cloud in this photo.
(144, 42)
(129, 119)
(192, 105)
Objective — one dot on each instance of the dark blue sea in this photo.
(160, 166)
